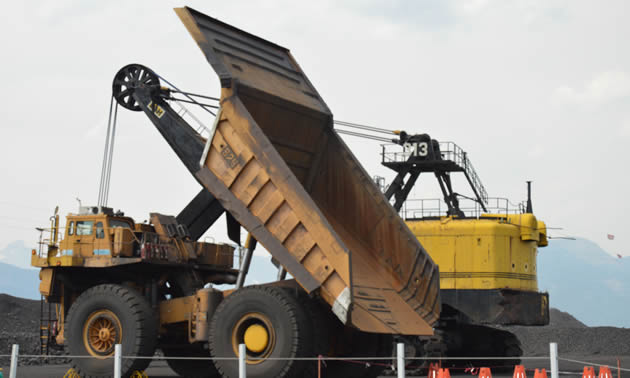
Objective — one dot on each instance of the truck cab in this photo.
(96, 235)
(100, 234)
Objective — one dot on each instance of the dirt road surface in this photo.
(159, 369)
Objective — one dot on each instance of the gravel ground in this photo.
(159, 369)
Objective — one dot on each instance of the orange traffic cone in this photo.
(444, 373)
(485, 373)
(543, 373)
(604, 372)
(589, 372)
(519, 371)
(433, 370)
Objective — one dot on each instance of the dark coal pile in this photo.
(19, 324)
(561, 319)
(574, 338)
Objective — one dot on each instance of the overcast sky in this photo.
(532, 90)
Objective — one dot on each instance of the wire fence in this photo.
(399, 363)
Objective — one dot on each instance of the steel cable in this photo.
(104, 167)
(111, 156)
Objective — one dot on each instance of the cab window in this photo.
(100, 233)
(113, 223)
(71, 229)
(84, 227)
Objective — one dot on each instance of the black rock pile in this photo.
(19, 324)
(573, 337)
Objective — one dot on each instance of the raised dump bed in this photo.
(275, 163)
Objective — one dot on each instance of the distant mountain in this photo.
(18, 282)
(17, 253)
(586, 281)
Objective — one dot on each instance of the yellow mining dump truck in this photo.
(274, 164)
(486, 249)
(117, 281)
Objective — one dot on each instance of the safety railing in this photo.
(391, 153)
(398, 364)
(435, 207)
(46, 239)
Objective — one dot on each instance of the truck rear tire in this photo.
(191, 368)
(103, 316)
(271, 323)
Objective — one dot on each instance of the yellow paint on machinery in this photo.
(104, 240)
(196, 310)
(276, 164)
(496, 251)
(93, 240)
(256, 338)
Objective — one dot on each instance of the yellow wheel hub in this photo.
(255, 330)
(101, 331)
(256, 338)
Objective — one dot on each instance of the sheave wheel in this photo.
(191, 368)
(100, 318)
(271, 324)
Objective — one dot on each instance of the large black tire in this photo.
(191, 368)
(290, 334)
(355, 343)
(133, 323)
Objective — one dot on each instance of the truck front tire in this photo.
(103, 316)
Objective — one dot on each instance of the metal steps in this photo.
(47, 319)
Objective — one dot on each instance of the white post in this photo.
(241, 361)
(117, 360)
(400, 357)
(14, 360)
(553, 358)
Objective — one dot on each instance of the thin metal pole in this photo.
(553, 358)
(14, 359)
(117, 360)
(400, 357)
(319, 366)
(618, 369)
(241, 361)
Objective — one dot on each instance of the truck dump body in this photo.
(275, 163)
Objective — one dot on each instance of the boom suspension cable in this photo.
(189, 96)
(374, 129)
(366, 136)
(366, 127)
(108, 153)
(192, 102)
